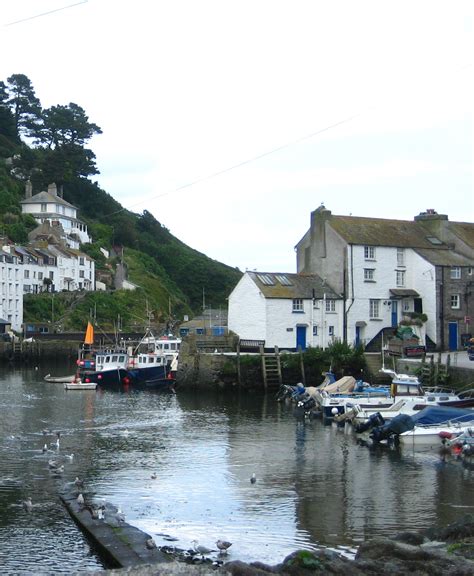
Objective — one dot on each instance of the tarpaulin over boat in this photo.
(442, 414)
(345, 384)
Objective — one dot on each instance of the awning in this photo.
(403, 293)
(361, 323)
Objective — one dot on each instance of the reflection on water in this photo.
(315, 485)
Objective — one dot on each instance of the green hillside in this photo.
(49, 145)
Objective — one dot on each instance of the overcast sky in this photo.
(265, 108)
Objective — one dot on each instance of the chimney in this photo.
(28, 189)
(52, 189)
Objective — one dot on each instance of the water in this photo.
(316, 486)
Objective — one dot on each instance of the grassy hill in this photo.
(170, 274)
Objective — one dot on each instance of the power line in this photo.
(44, 14)
(243, 163)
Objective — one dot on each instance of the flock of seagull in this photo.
(56, 466)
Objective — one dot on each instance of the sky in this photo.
(232, 120)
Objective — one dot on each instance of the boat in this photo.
(433, 424)
(426, 428)
(341, 395)
(59, 379)
(408, 396)
(77, 384)
(141, 365)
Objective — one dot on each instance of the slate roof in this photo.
(444, 257)
(43, 197)
(382, 232)
(300, 285)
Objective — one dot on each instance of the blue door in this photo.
(453, 335)
(394, 313)
(357, 341)
(301, 337)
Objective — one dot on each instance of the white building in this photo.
(290, 311)
(48, 206)
(386, 268)
(11, 290)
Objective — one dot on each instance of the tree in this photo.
(64, 126)
(23, 102)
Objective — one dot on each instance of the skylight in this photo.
(434, 240)
(283, 279)
(266, 279)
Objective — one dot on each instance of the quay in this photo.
(118, 543)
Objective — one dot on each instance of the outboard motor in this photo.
(374, 420)
(399, 424)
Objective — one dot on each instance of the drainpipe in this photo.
(441, 309)
(346, 312)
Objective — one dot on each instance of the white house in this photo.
(290, 311)
(385, 268)
(48, 206)
(11, 289)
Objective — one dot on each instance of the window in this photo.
(330, 305)
(266, 279)
(374, 309)
(81, 273)
(369, 252)
(400, 278)
(456, 273)
(27, 273)
(44, 207)
(469, 271)
(369, 275)
(283, 279)
(298, 305)
(51, 275)
(331, 331)
(40, 275)
(406, 306)
(400, 256)
(81, 261)
(315, 330)
(455, 301)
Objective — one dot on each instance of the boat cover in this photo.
(344, 384)
(442, 414)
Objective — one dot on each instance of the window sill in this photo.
(298, 311)
(371, 281)
(376, 319)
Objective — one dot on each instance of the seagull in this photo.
(78, 482)
(120, 516)
(70, 457)
(55, 465)
(201, 549)
(80, 500)
(28, 505)
(55, 444)
(45, 448)
(153, 476)
(150, 544)
(253, 478)
(223, 545)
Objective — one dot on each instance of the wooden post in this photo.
(303, 376)
(277, 354)
(264, 368)
(238, 364)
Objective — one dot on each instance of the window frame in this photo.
(374, 308)
(369, 252)
(297, 305)
(400, 278)
(455, 273)
(369, 274)
(455, 301)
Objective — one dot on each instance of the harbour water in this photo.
(179, 467)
